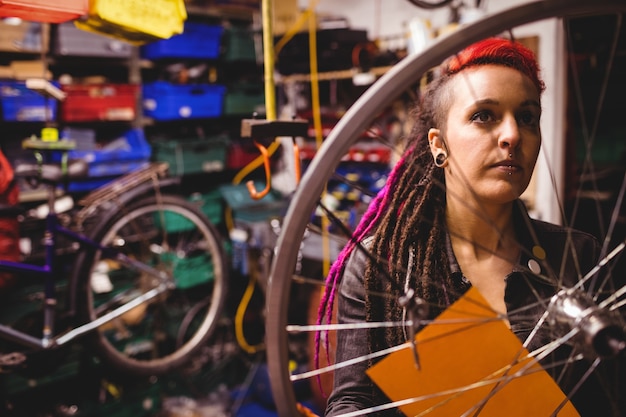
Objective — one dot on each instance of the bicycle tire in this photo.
(171, 235)
(345, 134)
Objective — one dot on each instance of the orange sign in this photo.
(469, 361)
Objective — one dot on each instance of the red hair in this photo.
(498, 51)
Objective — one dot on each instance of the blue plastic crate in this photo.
(167, 101)
(198, 40)
(122, 155)
(97, 182)
(20, 103)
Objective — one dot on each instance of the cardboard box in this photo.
(29, 69)
(24, 37)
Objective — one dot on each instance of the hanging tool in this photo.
(263, 133)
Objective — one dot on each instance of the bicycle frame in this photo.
(49, 273)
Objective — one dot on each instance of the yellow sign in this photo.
(49, 134)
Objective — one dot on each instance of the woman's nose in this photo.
(509, 133)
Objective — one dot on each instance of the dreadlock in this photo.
(413, 221)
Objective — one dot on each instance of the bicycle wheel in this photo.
(285, 330)
(180, 258)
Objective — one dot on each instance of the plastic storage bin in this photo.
(247, 209)
(20, 103)
(241, 152)
(210, 204)
(191, 156)
(136, 21)
(99, 102)
(198, 40)
(72, 41)
(126, 153)
(245, 99)
(189, 271)
(56, 11)
(167, 101)
(239, 45)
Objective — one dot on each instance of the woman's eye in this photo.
(482, 116)
(528, 119)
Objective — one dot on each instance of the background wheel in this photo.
(172, 236)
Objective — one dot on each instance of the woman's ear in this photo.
(435, 141)
(438, 148)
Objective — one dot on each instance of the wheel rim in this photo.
(194, 261)
(344, 134)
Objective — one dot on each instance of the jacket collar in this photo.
(532, 259)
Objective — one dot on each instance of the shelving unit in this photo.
(102, 73)
(73, 56)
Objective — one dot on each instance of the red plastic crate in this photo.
(99, 102)
(240, 154)
(44, 10)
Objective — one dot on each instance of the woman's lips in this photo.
(508, 166)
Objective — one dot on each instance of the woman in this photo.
(451, 212)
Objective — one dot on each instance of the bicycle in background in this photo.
(148, 281)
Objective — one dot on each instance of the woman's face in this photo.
(492, 134)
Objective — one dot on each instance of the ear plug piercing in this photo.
(440, 158)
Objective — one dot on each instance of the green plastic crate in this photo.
(191, 156)
(239, 45)
(247, 209)
(174, 222)
(191, 271)
(244, 99)
(210, 204)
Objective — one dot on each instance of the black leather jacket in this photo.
(353, 389)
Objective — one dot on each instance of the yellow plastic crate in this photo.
(136, 21)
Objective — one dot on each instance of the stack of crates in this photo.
(163, 100)
(243, 46)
